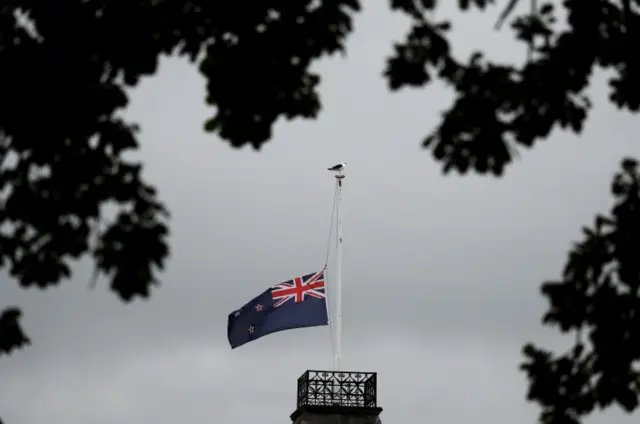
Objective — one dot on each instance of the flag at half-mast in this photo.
(297, 303)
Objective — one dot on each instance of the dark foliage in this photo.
(499, 107)
(64, 68)
(598, 300)
(11, 335)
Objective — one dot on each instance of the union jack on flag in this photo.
(299, 288)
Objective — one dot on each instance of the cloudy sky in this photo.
(441, 273)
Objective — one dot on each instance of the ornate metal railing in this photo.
(337, 388)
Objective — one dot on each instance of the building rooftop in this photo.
(337, 397)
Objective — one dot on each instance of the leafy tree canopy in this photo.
(597, 301)
(64, 68)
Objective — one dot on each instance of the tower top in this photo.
(337, 394)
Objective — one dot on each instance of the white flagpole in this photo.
(338, 322)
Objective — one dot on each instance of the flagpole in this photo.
(338, 322)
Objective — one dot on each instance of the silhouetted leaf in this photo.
(11, 335)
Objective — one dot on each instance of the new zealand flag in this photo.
(301, 302)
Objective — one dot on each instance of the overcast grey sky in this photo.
(441, 273)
